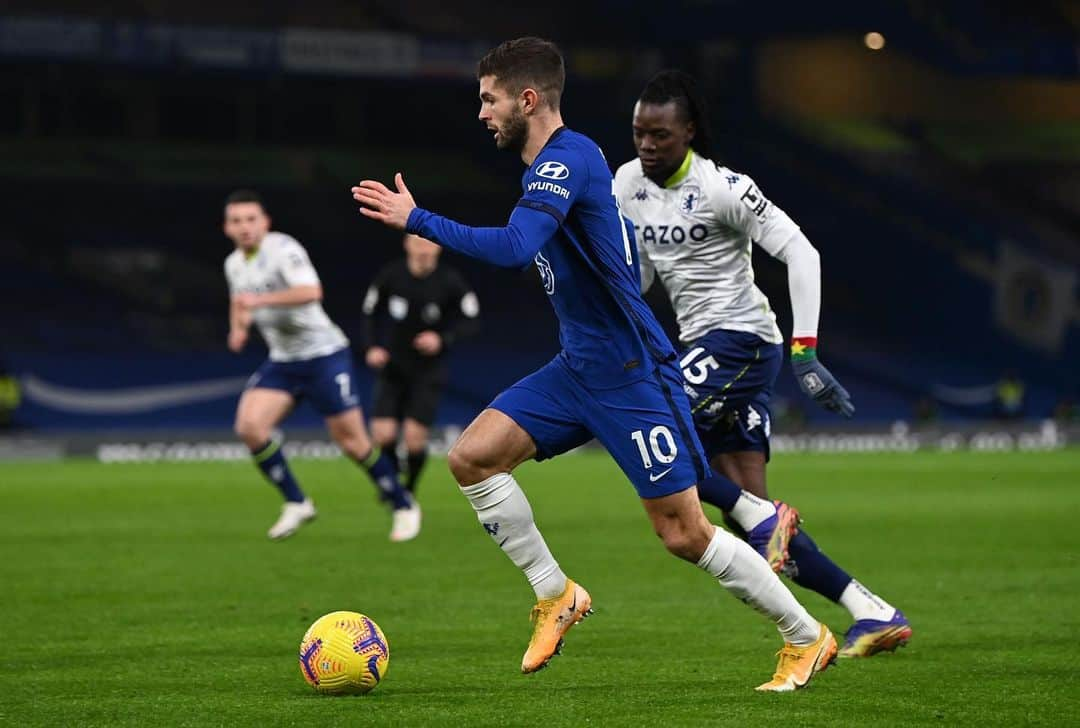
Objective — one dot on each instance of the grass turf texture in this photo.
(149, 595)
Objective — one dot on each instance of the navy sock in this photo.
(416, 464)
(809, 567)
(390, 451)
(381, 468)
(271, 460)
(719, 491)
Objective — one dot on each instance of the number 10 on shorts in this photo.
(660, 443)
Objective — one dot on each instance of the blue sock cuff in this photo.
(809, 567)
(719, 491)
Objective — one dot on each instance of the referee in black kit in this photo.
(413, 312)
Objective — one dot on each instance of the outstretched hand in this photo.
(381, 203)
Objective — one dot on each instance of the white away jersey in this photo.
(697, 235)
(292, 333)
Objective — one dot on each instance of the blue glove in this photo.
(819, 384)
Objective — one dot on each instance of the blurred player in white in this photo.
(273, 285)
(695, 222)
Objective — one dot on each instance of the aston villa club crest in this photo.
(691, 198)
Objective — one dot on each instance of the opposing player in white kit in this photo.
(273, 285)
(695, 223)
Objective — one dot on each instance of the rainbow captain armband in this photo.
(803, 348)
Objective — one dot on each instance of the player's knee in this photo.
(251, 432)
(468, 464)
(461, 465)
(683, 540)
(355, 444)
(415, 441)
(384, 433)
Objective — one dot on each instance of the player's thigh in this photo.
(261, 407)
(348, 431)
(329, 384)
(547, 405)
(492, 443)
(725, 370)
(745, 468)
(740, 442)
(646, 427)
(415, 434)
(265, 402)
(534, 418)
(680, 523)
(384, 430)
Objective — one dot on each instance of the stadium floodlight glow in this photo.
(874, 40)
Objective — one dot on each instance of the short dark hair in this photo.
(527, 63)
(237, 196)
(676, 86)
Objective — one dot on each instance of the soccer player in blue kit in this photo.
(614, 380)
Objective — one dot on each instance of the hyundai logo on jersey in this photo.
(553, 170)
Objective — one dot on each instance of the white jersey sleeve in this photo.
(743, 207)
(295, 265)
(623, 192)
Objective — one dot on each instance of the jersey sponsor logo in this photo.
(641, 194)
(398, 307)
(670, 234)
(691, 198)
(547, 275)
(559, 190)
(756, 201)
(553, 170)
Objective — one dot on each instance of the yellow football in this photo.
(344, 653)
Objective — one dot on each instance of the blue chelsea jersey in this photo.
(589, 268)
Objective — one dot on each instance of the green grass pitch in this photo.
(149, 595)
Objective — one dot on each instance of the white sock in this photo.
(864, 604)
(745, 574)
(749, 510)
(506, 515)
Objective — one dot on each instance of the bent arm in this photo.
(239, 318)
(512, 246)
(804, 281)
(292, 296)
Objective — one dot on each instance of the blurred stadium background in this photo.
(931, 151)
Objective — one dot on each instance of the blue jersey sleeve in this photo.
(556, 179)
(513, 246)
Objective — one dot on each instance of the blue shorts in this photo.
(645, 425)
(328, 382)
(729, 378)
